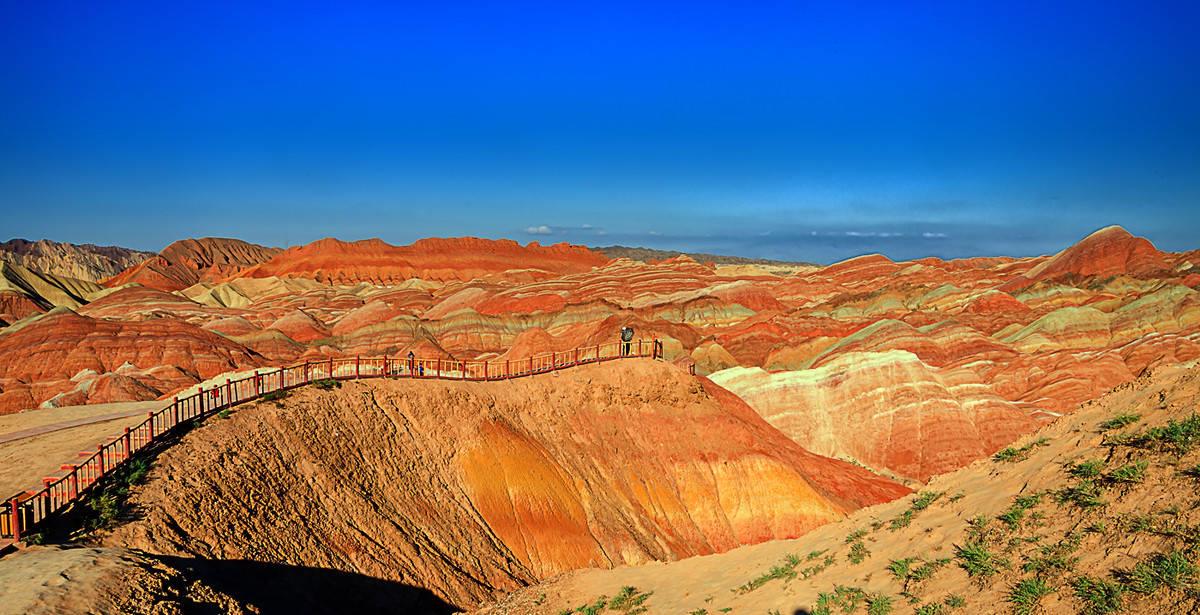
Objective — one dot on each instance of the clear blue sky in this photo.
(811, 131)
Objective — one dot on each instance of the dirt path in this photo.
(34, 444)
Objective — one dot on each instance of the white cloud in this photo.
(933, 235)
(539, 230)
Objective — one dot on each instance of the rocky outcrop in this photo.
(472, 489)
(191, 261)
(86, 262)
(888, 410)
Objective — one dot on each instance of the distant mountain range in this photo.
(650, 254)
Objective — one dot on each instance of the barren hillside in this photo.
(470, 490)
(1095, 513)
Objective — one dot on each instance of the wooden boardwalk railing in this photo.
(27, 511)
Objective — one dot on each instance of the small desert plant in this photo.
(275, 395)
(855, 536)
(1128, 473)
(844, 599)
(1085, 494)
(1099, 596)
(879, 604)
(977, 560)
(224, 413)
(326, 384)
(1016, 513)
(1086, 469)
(1178, 437)
(955, 601)
(922, 501)
(1124, 419)
(1026, 594)
(901, 568)
(858, 553)
(1054, 558)
(1172, 570)
(932, 608)
(1012, 453)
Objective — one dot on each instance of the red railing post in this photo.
(150, 425)
(485, 376)
(128, 443)
(100, 458)
(15, 511)
(175, 406)
(228, 393)
(439, 367)
(73, 482)
(575, 361)
(357, 366)
(200, 396)
(385, 366)
(330, 368)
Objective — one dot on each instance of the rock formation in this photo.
(85, 262)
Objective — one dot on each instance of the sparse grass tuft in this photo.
(977, 560)
(879, 604)
(1085, 470)
(856, 535)
(1099, 596)
(1172, 570)
(1177, 437)
(858, 553)
(327, 384)
(1085, 494)
(275, 396)
(955, 601)
(1128, 473)
(224, 413)
(1016, 513)
(1054, 559)
(1124, 419)
(922, 501)
(1013, 454)
(1026, 594)
(844, 599)
(788, 570)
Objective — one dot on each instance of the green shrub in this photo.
(1086, 469)
(1099, 596)
(1128, 473)
(224, 413)
(922, 501)
(326, 384)
(1121, 420)
(844, 599)
(858, 553)
(275, 395)
(955, 601)
(977, 560)
(1172, 570)
(1013, 454)
(856, 535)
(1026, 594)
(1086, 494)
(879, 604)
(1178, 437)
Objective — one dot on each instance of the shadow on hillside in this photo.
(280, 588)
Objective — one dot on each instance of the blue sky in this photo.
(808, 131)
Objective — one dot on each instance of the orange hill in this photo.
(464, 258)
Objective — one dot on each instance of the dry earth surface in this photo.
(1102, 494)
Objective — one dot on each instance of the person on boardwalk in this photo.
(626, 339)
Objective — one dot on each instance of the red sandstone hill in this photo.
(189, 261)
(470, 489)
(67, 358)
(461, 258)
(1109, 251)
